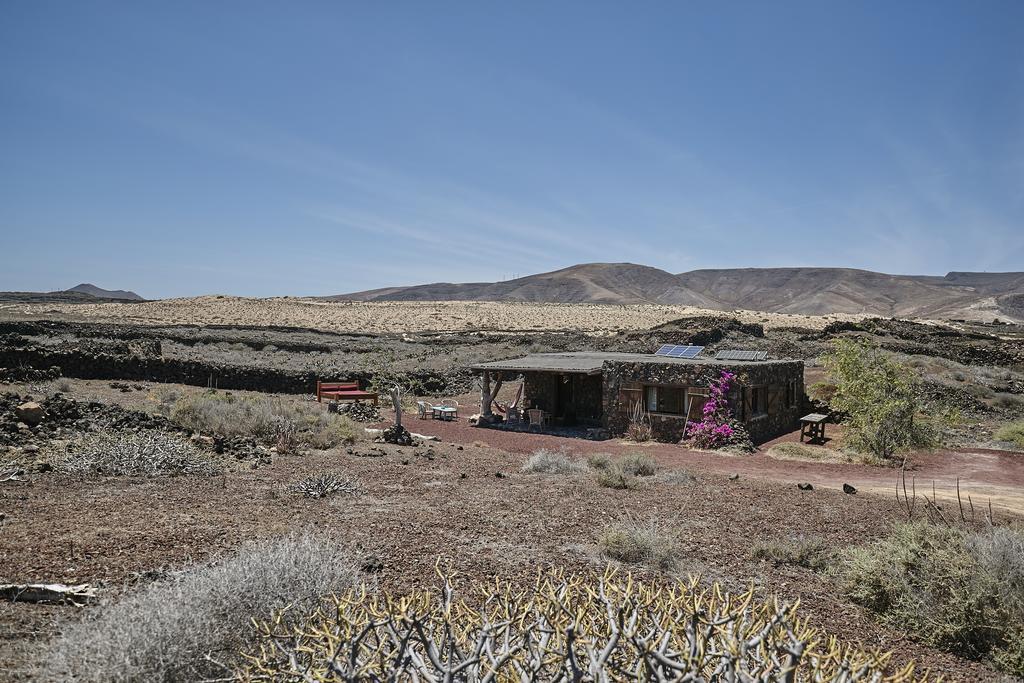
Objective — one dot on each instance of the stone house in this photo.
(601, 390)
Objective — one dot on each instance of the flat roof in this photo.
(590, 362)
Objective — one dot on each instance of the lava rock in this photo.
(849, 489)
(806, 486)
(30, 412)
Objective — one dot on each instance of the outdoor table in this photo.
(444, 413)
(813, 426)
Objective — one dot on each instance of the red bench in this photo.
(342, 391)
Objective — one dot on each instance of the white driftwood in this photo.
(52, 593)
(425, 437)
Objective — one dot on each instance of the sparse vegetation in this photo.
(325, 485)
(599, 461)
(638, 464)
(1012, 433)
(954, 588)
(879, 396)
(809, 553)
(615, 477)
(608, 624)
(544, 461)
(633, 541)
(135, 454)
(268, 419)
(639, 428)
(192, 625)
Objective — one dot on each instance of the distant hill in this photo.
(808, 291)
(100, 293)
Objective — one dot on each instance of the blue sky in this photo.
(269, 148)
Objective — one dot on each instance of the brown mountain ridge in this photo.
(807, 291)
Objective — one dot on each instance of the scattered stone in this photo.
(30, 413)
(734, 476)
(806, 486)
(463, 476)
(849, 489)
(31, 448)
(500, 475)
(360, 411)
(397, 435)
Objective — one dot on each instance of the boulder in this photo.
(30, 413)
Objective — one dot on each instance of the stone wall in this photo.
(86, 363)
(624, 383)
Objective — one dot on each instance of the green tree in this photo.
(880, 399)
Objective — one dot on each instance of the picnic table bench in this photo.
(343, 391)
(813, 426)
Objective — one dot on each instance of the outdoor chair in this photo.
(451, 403)
(513, 416)
(425, 410)
(536, 417)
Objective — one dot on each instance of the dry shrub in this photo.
(544, 461)
(325, 485)
(953, 588)
(809, 553)
(1012, 433)
(561, 628)
(639, 428)
(135, 454)
(178, 628)
(638, 464)
(615, 477)
(264, 418)
(634, 541)
(599, 461)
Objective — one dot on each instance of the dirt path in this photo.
(985, 475)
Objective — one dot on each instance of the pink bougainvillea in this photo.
(715, 430)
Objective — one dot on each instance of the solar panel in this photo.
(739, 354)
(673, 351)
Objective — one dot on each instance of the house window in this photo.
(670, 400)
(758, 401)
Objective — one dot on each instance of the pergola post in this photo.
(485, 396)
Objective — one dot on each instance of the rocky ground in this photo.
(463, 496)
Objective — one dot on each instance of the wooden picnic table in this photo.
(813, 426)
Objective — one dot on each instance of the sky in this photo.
(313, 148)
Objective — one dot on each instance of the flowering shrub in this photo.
(718, 429)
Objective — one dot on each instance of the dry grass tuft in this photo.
(615, 477)
(544, 461)
(809, 553)
(638, 464)
(180, 628)
(640, 542)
